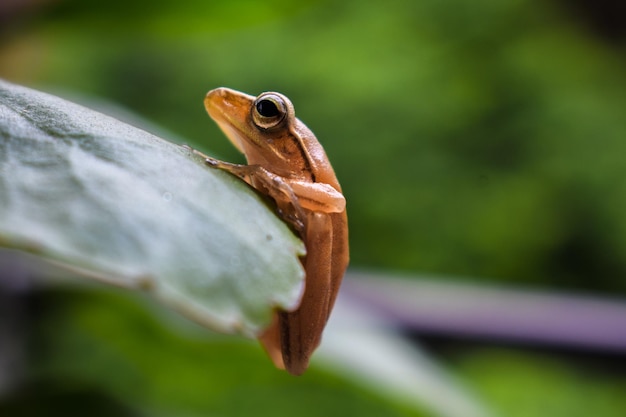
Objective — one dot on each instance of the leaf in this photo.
(119, 204)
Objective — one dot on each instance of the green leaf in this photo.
(116, 203)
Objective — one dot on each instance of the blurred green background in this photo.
(481, 139)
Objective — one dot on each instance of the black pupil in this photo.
(267, 108)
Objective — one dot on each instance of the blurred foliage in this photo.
(112, 354)
(544, 385)
(481, 139)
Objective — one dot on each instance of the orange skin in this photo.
(288, 164)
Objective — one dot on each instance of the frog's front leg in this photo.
(287, 201)
(267, 183)
(242, 171)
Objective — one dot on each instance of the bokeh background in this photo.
(479, 141)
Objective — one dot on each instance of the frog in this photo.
(286, 163)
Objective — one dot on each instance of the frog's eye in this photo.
(268, 111)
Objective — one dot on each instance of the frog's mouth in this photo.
(229, 109)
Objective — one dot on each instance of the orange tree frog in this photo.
(288, 164)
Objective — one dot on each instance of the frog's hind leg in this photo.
(301, 330)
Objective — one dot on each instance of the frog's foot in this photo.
(293, 220)
(197, 152)
(212, 162)
(296, 218)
